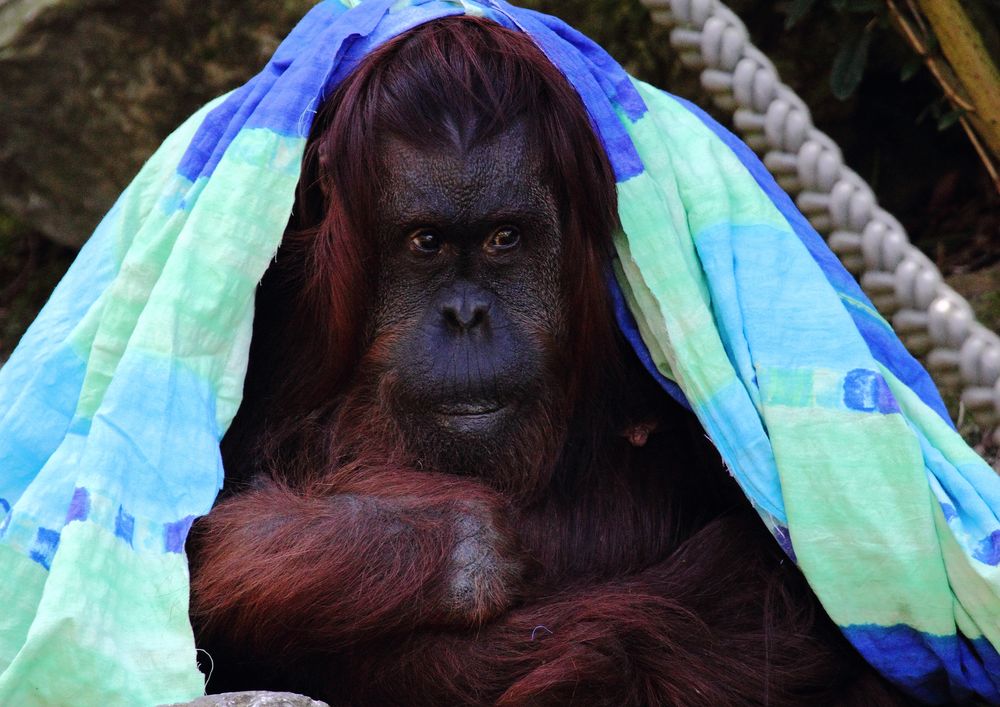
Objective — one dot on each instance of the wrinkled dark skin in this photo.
(476, 311)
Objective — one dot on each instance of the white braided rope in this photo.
(933, 320)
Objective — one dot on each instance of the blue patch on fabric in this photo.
(293, 78)
(971, 490)
(988, 550)
(984, 483)
(398, 20)
(772, 304)
(867, 391)
(79, 505)
(38, 418)
(618, 85)
(124, 525)
(884, 345)
(949, 511)
(167, 470)
(596, 92)
(44, 548)
(934, 669)
(320, 52)
(784, 539)
(174, 534)
(40, 383)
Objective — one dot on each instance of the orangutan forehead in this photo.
(499, 175)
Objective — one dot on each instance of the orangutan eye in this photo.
(503, 239)
(426, 242)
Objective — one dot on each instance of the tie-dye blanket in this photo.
(112, 407)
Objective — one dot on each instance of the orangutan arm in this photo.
(719, 622)
(282, 572)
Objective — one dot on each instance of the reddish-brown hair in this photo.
(633, 586)
(453, 80)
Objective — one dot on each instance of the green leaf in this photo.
(911, 67)
(849, 64)
(931, 110)
(950, 118)
(796, 11)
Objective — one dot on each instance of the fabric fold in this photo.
(113, 405)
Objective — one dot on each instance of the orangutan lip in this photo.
(473, 419)
(471, 409)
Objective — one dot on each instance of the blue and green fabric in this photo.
(113, 405)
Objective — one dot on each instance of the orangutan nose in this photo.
(466, 309)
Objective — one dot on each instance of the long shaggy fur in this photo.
(616, 563)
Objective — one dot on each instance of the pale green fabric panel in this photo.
(20, 606)
(200, 335)
(158, 177)
(660, 261)
(144, 237)
(113, 614)
(842, 457)
(112, 319)
(975, 585)
(716, 187)
(640, 299)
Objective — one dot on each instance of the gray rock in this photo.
(91, 87)
(252, 699)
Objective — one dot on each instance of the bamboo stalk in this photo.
(947, 79)
(963, 47)
(938, 71)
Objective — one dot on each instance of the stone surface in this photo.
(91, 87)
(252, 699)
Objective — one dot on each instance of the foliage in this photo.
(861, 19)
(971, 36)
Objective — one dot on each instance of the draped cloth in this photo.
(113, 404)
